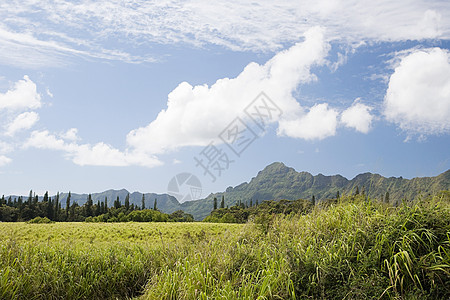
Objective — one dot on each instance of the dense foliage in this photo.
(242, 212)
(356, 248)
(13, 210)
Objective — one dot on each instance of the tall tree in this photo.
(127, 202)
(215, 203)
(117, 203)
(30, 198)
(337, 195)
(313, 200)
(106, 205)
(50, 211)
(222, 203)
(154, 205)
(98, 209)
(386, 197)
(57, 208)
(20, 206)
(143, 202)
(68, 206)
(89, 206)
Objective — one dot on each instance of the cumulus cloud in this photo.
(23, 121)
(358, 117)
(418, 96)
(23, 95)
(99, 154)
(196, 115)
(4, 160)
(320, 122)
(5, 148)
(71, 135)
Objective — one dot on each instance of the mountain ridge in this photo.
(278, 181)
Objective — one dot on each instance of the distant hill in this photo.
(277, 181)
(165, 203)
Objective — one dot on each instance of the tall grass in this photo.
(354, 249)
(88, 261)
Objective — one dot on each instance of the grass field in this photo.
(89, 260)
(355, 249)
(98, 234)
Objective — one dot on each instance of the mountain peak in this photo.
(276, 168)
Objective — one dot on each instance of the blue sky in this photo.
(126, 94)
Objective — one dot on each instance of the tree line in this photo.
(20, 209)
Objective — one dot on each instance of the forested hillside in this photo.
(274, 182)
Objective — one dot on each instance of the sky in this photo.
(110, 94)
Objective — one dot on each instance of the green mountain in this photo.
(278, 181)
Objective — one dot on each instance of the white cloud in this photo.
(24, 49)
(418, 96)
(196, 115)
(47, 91)
(358, 116)
(4, 160)
(23, 95)
(23, 121)
(99, 154)
(71, 135)
(5, 147)
(320, 122)
(87, 28)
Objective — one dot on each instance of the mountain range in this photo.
(277, 181)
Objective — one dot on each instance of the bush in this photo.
(39, 220)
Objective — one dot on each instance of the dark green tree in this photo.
(50, 208)
(222, 203)
(56, 208)
(89, 205)
(117, 204)
(215, 203)
(357, 190)
(68, 206)
(386, 197)
(127, 202)
(30, 198)
(106, 205)
(143, 202)
(98, 209)
(338, 195)
(154, 205)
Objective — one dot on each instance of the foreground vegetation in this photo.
(353, 249)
